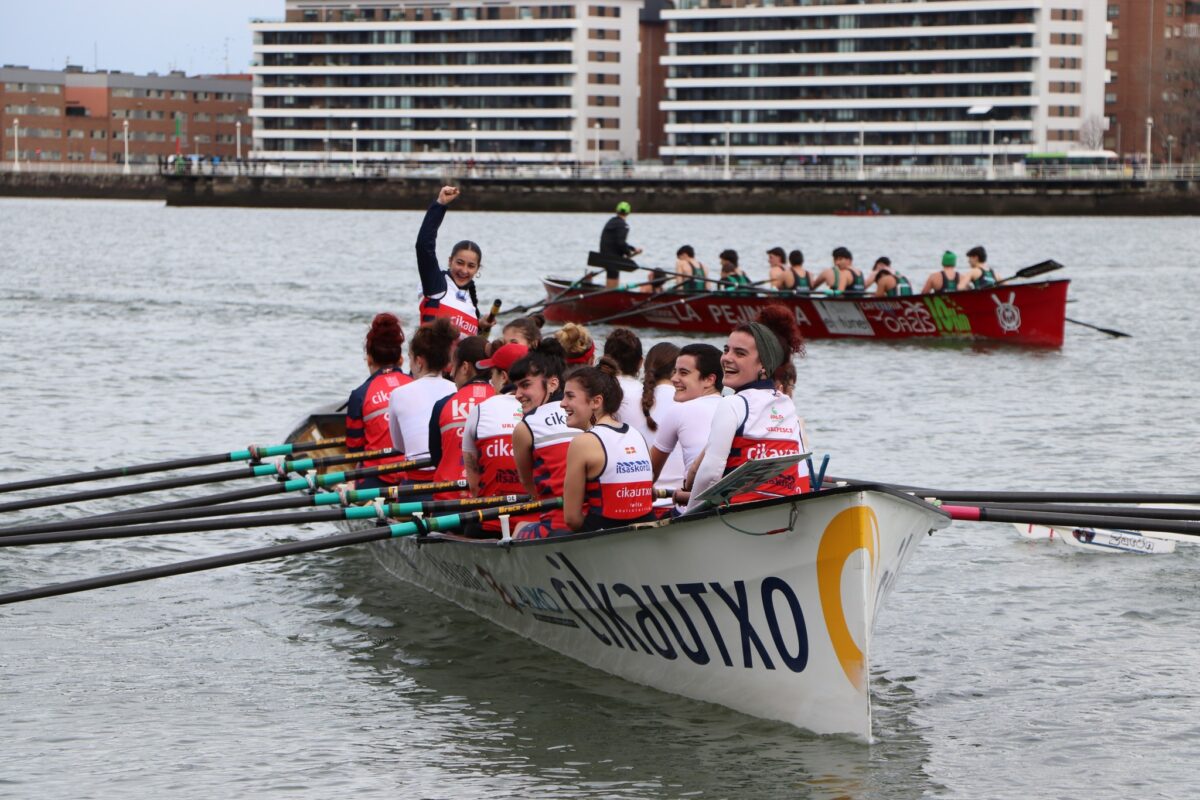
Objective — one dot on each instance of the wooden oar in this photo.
(251, 453)
(385, 511)
(256, 471)
(541, 303)
(649, 306)
(1033, 271)
(395, 530)
(1114, 333)
(136, 517)
(992, 514)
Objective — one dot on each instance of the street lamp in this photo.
(238, 126)
(16, 145)
(1149, 130)
(1170, 148)
(983, 113)
(596, 142)
(125, 136)
(354, 148)
(474, 127)
(728, 175)
(862, 151)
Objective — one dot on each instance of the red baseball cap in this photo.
(504, 357)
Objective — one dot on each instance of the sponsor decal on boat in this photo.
(1007, 313)
(902, 316)
(843, 318)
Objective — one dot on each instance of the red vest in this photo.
(769, 428)
(450, 426)
(624, 491)
(498, 418)
(376, 435)
(551, 438)
(455, 305)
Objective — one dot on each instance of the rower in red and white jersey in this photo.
(366, 410)
(759, 421)
(449, 415)
(540, 442)
(448, 293)
(488, 459)
(609, 479)
(409, 406)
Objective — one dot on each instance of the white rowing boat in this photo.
(1098, 540)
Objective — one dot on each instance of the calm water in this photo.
(130, 332)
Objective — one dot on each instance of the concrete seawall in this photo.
(1027, 197)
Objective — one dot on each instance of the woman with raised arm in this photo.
(608, 481)
(448, 293)
(367, 408)
(409, 406)
(758, 421)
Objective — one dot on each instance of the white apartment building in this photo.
(884, 81)
(492, 80)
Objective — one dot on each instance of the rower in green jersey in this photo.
(979, 274)
(843, 276)
(686, 264)
(887, 281)
(732, 277)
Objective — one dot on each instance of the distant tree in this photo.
(1091, 133)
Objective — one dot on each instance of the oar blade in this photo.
(1034, 270)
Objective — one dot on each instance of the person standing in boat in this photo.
(758, 421)
(409, 405)
(491, 470)
(888, 282)
(367, 409)
(614, 242)
(450, 413)
(843, 276)
(946, 279)
(625, 349)
(690, 270)
(978, 275)
(684, 426)
(539, 444)
(448, 293)
(608, 481)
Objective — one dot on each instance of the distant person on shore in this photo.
(978, 275)
(888, 282)
(843, 276)
(448, 293)
(732, 277)
(777, 269)
(946, 279)
(690, 269)
(613, 242)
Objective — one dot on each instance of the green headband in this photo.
(770, 351)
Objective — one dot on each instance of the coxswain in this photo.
(757, 421)
(979, 275)
(450, 413)
(802, 279)
(540, 442)
(491, 470)
(690, 271)
(410, 404)
(625, 349)
(613, 242)
(367, 408)
(777, 269)
(683, 428)
(608, 480)
(888, 282)
(946, 279)
(448, 293)
(843, 276)
(577, 343)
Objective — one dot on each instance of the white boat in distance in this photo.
(766, 608)
(1098, 540)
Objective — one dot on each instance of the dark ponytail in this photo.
(660, 361)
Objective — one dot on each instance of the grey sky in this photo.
(132, 35)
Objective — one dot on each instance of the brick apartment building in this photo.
(77, 116)
(1154, 56)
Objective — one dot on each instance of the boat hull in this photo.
(1099, 540)
(1029, 314)
(776, 626)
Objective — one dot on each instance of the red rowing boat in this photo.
(1030, 314)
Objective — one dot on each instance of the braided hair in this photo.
(659, 364)
(467, 244)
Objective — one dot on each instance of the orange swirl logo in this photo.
(853, 529)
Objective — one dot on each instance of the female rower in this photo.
(802, 279)
(487, 437)
(608, 481)
(625, 348)
(683, 429)
(757, 422)
(577, 344)
(366, 410)
(658, 397)
(450, 413)
(409, 405)
(541, 439)
(448, 293)
(691, 271)
(888, 282)
(526, 331)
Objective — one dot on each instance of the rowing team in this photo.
(788, 274)
(513, 416)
